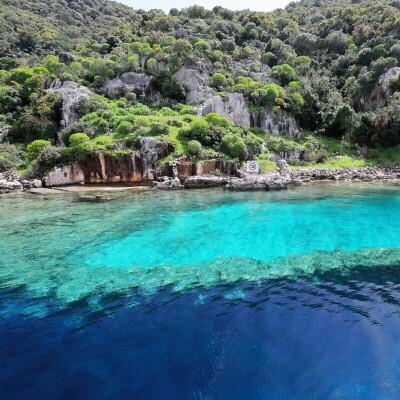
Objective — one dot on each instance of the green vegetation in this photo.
(334, 66)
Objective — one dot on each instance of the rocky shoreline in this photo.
(284, 178)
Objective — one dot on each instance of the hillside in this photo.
(315, 83)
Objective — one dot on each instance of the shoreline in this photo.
(284, 178)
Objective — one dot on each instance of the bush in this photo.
(124, 128)
(78, 138)
(36, 147)
(159, 128)
(49, 157)
(75, 127)
(10, 157)
(216, 120)
(198, 130)
(195, 148)
(234, 146)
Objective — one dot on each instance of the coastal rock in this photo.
(233, 107)
(168, 184)
(10, 186)
(129, 82)
(197, 182)
(70, 93)
(94, 199)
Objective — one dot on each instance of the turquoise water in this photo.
(202, 295)
(153, 239)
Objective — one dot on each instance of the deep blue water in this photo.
(311, 326)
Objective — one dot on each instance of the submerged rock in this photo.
(94, 199)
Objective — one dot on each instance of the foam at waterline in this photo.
(67, 285)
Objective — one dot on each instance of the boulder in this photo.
(70, 93)
(94, 199)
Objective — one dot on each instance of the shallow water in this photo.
(202, 295)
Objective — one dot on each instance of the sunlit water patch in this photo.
(202, 295)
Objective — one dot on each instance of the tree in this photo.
(34, 148)
(337, 42)
(284, 72)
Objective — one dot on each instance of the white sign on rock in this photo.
(252, 166)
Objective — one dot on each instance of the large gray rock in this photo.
(70, 93)
(195, 83)
(233, 107)
(129, 82)
(384, 79)
(278, 123)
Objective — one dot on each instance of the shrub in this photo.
(124, 128)
(198, 130)
(49, 157)
(195, 148)
(77, 139)
(217, 120)
(75, 127)
(234, 146)
(36, 147)
(159, 128)
(10, 157)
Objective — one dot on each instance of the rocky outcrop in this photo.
(195, 84)
(232, 107)
(129, 82)
(168, 183)
(70, 92)
(11, 182)
(205, 181)
(278, 123)
(267, 182)
(384, 79)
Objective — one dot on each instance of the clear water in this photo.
(202, 295)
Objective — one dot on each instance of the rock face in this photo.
(278, 123)
(129, 82)
(184, 168)
(68, 175)
(129, 168)
(152, 150)
(168, 184)
(233, 107)
(195, 84)
(70, 93)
